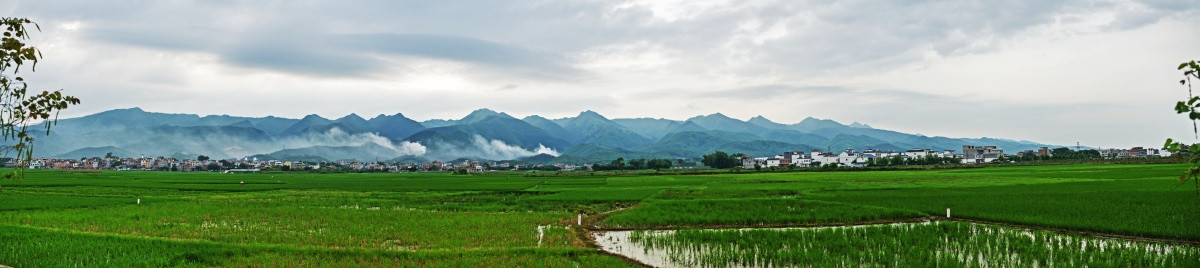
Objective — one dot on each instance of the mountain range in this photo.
(481, 135)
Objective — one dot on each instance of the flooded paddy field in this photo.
(928, 244)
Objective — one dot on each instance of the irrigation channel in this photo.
(921, 244)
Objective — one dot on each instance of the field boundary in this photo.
(587, 228)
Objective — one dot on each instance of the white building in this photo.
(917, 153)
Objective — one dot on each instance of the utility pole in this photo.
(1077, 146)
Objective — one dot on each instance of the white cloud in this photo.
(337, 137)
(480, 147)
(629, 59)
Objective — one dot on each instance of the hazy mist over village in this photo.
(633, 133)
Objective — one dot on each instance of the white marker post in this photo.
(541, 235)
(139, 201)
(579, 219)
(947, 212)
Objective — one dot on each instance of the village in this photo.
(255, 165)
(799, 159)
(970, 154)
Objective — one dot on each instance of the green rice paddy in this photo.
(938, 244)
(51, 218)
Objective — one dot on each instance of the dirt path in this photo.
(586, 230)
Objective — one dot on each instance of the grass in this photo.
(429, 218)
(39, 247)
(750, 212)
(1150, 207)
(242, 221)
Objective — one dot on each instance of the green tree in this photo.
(1191, 70)
(20, 106)
(202, 158)
(721, 160)
(639, 163)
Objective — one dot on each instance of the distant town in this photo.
(970, 154)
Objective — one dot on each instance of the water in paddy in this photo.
(945, 244)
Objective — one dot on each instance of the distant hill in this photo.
(481, 135)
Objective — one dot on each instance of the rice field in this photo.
(133, 218)
(929, 244)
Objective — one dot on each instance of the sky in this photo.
(1101, 73)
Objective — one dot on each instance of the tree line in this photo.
(1061, 153)
(899, 160)
(635, 164)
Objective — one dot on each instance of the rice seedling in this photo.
(949, 244)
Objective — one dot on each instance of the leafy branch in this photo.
(1191, 70)
(20, 107)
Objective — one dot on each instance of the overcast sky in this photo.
(1098, 72)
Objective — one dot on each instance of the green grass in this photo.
(36, 247)
(309, 223)
(376, 219)
(1150, 207)
(750, 212)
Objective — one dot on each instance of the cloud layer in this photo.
(1038, 70)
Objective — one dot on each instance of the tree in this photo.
(1190, 70)
(639, 163)
(20, 107)
(721, 160)
(202, 158)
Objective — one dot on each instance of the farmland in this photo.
(950, 244)
(53, 218)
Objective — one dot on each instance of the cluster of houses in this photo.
(255, 165)
(970, 154)
(849, 157)
(1134, 152)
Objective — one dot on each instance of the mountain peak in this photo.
(813, 120)
(764, 122)
(859, 125)
(351, 116)
(312, 117)
(761, 119)
(534, 117)
(712, 117)
(385, 116)
(134, 110)
(483, 111)
(480, 115)
(591, 114)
